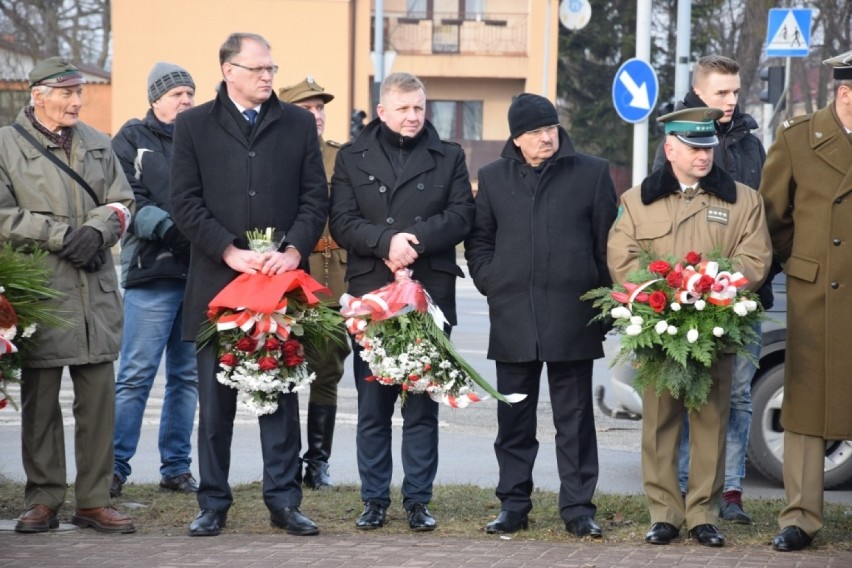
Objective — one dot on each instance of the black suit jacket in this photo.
(226, 182)
(431, 199)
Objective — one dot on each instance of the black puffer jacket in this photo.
(740, 154)
(144, 149)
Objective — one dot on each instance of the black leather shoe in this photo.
(662, 533)
(734, 513)
(707, 535)
(373, 516)
(791, 538)
(208, 522)
(293, 521)
(508, 522)
(583, 526)
(420, 519)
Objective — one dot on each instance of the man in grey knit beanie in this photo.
(166, 76)
(154, 264)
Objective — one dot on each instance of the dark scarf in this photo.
(662, 182)
(397, 147)
(63, 139)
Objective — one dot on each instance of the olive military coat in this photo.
(807, 188)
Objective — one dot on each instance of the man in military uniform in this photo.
(689, 204)
(807, 188)
(328, 266)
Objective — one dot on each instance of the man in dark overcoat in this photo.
(241, 162)
(807, 188)
(400, 198)
(543, 211)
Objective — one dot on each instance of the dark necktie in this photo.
(690, 192)
(251, 116)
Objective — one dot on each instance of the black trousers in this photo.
(516, 445)
(280, 443)
(419, 451)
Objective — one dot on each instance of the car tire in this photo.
(766, 439)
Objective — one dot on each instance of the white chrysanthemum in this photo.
(633, 329)
(718, 331)
(636, 320)
(750, 305)
(692, 335)
(740, 309)
(672, 330)
(620, 312)
(700, 305)
(675, 307)
(661, 327)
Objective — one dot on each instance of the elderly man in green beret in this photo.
(328, 266)
(62, 190)
(689, 204)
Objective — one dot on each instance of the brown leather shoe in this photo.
(104, 519)
(37, 519)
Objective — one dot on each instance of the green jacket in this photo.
(39, 204)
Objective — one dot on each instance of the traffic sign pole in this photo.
(640, 129)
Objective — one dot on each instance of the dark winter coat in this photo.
(144, 150)
(225, 182)
(431, 199)
(538, 244)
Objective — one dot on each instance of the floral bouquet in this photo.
(402, 332)
(23, 291)
(262, 325)
(677, 318)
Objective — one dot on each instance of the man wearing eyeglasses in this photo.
(543, 211)
(241, 162)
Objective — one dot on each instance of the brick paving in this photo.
(76, 548)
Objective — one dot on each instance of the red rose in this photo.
(229, 359)
(3, 403)
(674, 279)
(693, 258)
(660, 267)
(704, 284)
(267, 363)
(293, 347)
(658, 301)
(246, 344)
(293, 360)
(271, 344)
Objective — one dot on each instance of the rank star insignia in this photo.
(717, 215)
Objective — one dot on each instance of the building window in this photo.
(456, 120)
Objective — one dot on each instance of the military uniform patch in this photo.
(717, 215)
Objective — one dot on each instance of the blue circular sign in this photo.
(634, 90)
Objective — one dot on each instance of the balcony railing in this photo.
(441, 33)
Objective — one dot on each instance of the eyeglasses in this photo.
(272, 69)
(539, 131)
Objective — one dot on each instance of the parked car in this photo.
(766, 440)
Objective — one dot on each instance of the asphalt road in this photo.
(466, 435)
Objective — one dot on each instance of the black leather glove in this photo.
(96, 262)
(81, 245)
(174, 240)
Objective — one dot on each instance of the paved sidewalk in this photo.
(88, 548)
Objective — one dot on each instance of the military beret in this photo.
(307, 89)
(842, 65)
(55, 72)
(693, 126)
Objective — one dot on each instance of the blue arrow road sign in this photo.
(788, 33)
(634, 90)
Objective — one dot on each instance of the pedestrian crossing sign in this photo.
(789, 32)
